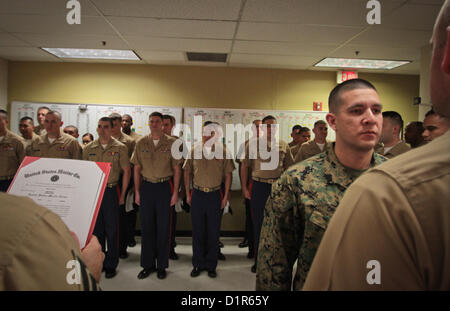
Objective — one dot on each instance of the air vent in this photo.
(206, 57)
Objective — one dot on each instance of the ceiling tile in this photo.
(274, 61)
(323, 12)
(380, 36)
(73, 41)
(186, 9)
(53, 25)
(11, 40)
(44, 7)
(26, 53)
(175, 44)
(376, 52)
(173, 28)
(296, 33)
(412, 17)
(281, 48)
(161, 56)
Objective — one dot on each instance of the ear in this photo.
(446, 60)
(331, 119)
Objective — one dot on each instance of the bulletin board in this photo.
(85, 116)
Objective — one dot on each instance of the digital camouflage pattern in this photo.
(297, 213)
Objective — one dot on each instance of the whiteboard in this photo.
(86, 120)
(285, 118)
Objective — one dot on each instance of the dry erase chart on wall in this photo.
(286, 120)
(86, 120)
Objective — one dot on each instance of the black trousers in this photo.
(173, 228)
(260, 194)
(106, 227)
(249, 231)
(206, 215)
(155, 224)
(4, 185)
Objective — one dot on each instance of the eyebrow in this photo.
(362, 106)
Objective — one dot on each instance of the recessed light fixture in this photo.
(360, 63)
(93, 53)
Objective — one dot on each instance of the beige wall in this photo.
(196, 87)
(3, 84)
(425, 62)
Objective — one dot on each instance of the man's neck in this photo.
(2, 133)
(104, 140)
(392, 143)
(116, 135)
(126, 131)
(50, 135)
(353, 158)
(319, 141)
(28, 136)
(156, 135)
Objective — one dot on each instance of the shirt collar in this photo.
(336, 173)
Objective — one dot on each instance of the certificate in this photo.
(72, 189)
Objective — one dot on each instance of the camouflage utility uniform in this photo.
(296, 216)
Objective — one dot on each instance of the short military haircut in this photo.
(209, 123)
(156, 114)
(418, 125)
(89, 134)
(296, 127)
(394, 116)
(430, 113)
(4, 113)
(169, 117)
(254, 121)
(26, 118)
(105, 119)
(318, 122)
(50, 112)
(269, 117)
(304, 129)
(72, 126)
(334, 100)
(127, 115)
(115, 116)
(43, 107)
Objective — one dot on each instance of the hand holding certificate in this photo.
(72, 189)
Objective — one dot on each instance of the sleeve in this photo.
(33, 268)
(300, 156)
(240, 153)
(85, 154)
(124, 160)
(76, 150)
(288, 159)
(373, 234)
(246, 159)
(229, 166)
(135, 158)
(20, 151)
(131, 146)
(280, 238)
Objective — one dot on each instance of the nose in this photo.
(369, 117)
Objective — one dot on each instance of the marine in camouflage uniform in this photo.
(297, 213)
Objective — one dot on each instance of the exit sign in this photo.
(343, 76)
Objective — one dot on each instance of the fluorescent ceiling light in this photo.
(360, 63)
(93, 53)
